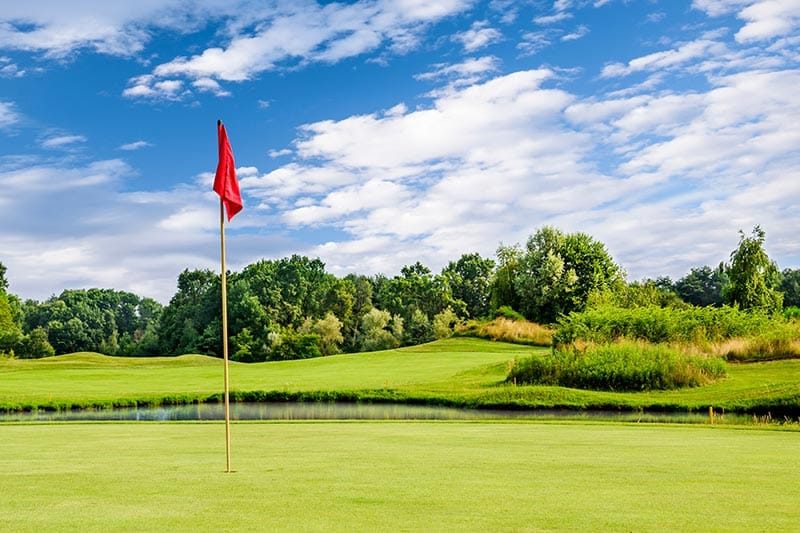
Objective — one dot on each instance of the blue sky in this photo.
(373, 134)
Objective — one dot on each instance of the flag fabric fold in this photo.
(225, 184)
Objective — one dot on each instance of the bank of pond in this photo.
(344, 411)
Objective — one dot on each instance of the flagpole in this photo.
(225, 337)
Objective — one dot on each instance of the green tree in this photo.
(10, 332)
(470, 280)
(754, 277)
(375, 331)
(418, 329)
(329, 331)
(703, 286)
(557, 272)
(444, 323)
(3, 280)
(503, 291)
(790, 286)
(35, 345)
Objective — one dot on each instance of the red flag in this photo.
(225, 184)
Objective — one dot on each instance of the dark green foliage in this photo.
(470, 280)
(618, 367)
(506, 312)
(3, 280)
(657, 324)
(92, 319)
(556, 273)
(703, 286)
(295, 345)
(35, 345)
(754, 277)
(418, 329)
(503, 290)
(790, 286)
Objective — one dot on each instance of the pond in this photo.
(358, 411)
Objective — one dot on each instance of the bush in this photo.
(625, 366)
(505, 311)
(605, 324)
(791, 313)
(505, 330)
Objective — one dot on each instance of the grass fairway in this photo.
(459, 371)
(398, 476)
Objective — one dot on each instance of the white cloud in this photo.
(211, 86)
(71, 225)
(676, 57)
(769, 18)
(533, 41)
(492, 161)
(546, 20)
(288, 33)
(59, 29)
(716, 8)
(580, 32)
(62, 141)
(9, 69)
(764, 19)
(135, 145)
(467, 72)
(478, 36)
(8, 114)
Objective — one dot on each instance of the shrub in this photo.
(605, 324)
(791, 313)
(505, 311)
(625, 366)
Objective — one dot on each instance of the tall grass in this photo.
(658, 324)
(622, 366)
(507, 330)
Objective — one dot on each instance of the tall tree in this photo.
(558, 271)
(703, 286)
(470, 281)
(790, 286)
(754, 277)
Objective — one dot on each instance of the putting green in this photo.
(397, 476)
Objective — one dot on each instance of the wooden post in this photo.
(224, 283)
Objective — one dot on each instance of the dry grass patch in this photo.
(507, 330)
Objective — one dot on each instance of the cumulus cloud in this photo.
(764, 19)
(478, 36)
(68, 224)
(290, 33)
(676, 57)
(656, 175)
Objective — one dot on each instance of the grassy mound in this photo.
(626, 366)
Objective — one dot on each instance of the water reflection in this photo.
(359, 411)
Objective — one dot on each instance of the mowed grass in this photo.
(458, 371)
(398, 476)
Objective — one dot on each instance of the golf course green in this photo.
(382, 475)
(458, 371)
(398, 476)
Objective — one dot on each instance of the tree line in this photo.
(293, 308)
